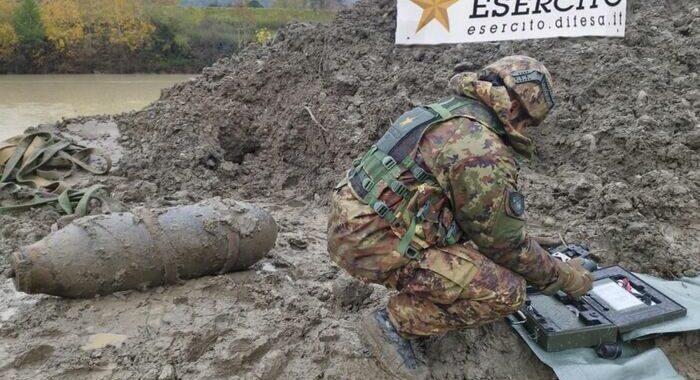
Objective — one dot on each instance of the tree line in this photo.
(77, 36)
(314, 4)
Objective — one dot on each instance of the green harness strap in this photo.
(71, 202)
(442, 111)
(378, 169)
(36, 165)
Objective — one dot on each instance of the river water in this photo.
(28, 100)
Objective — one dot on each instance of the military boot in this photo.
(395, 353)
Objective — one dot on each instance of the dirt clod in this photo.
(167, 373)
(349, 292)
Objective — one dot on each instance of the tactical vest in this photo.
(393, 155)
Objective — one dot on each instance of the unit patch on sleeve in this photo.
(516, 204)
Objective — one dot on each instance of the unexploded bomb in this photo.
(103, 254)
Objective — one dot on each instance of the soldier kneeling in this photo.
(433, 211)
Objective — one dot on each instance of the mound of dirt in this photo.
(618, 160)
(618, 167)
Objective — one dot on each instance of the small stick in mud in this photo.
(314, 119)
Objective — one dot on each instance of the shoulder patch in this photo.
(516, 203)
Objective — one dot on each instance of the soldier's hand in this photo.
(455, 84)
(580, 279)
(573, 279)
(546, 241)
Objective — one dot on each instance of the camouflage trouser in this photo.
(448, 288)
(430, 304)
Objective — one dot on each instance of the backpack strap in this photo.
(380, 167)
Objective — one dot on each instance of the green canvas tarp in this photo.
(652, 364)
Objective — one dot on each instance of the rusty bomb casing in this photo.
(102, 254)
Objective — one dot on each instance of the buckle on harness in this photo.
(400, 189)
(420, 174)
(367, 184)
(389, 162)
(381, 208)
(413, 253)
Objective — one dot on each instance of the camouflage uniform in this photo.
(465, 284)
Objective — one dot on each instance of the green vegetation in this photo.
(130, 35)
(204, 34)
(28, 24)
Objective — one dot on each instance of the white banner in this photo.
(429, 22)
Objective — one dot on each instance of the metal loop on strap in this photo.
(381, 208)
(385, 212)
(389, 162)
(420, 174)
(367, 184)
(413, 253)
(400, 189)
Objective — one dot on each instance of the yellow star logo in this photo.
(406, 121)
(434, 10)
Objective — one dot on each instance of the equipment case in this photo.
(618, 303)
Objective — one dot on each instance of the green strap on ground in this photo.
(36, 165)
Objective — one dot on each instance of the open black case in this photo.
(618, 303)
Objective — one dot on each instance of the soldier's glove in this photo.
(455, 84)
(573, 279)
(545, 241)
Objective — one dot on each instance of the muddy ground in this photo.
(617, 167)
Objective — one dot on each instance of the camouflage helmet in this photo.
(528, 80)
